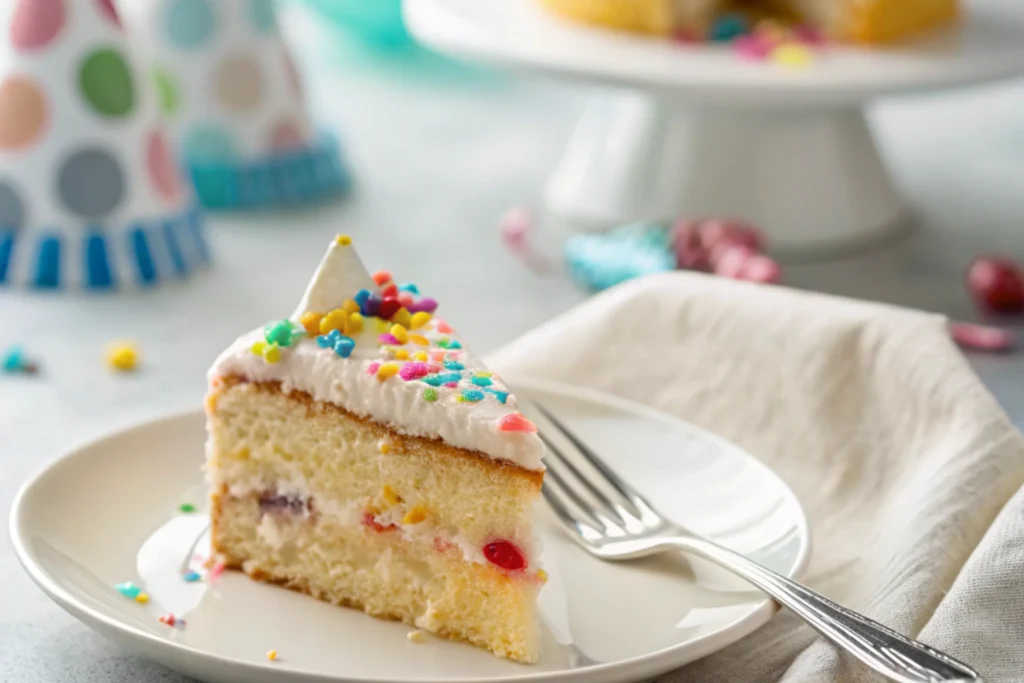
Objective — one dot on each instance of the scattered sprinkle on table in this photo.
(142, 598)
(122, 356)
(215, 571)
(417, 636)
(128, 589)
(14, 361)
(168, 619)
(187, 508)
(191, 576)
(272, 655)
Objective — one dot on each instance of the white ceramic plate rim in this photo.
(435, 23)
(650, 664)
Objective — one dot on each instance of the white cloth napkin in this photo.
(906, 466)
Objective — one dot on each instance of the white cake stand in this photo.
(697, 131)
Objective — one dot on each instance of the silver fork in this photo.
(612, 521)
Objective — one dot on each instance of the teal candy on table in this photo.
(601, 261)
(234, 100)
(90, 192)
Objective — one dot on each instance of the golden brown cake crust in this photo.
(413, 445)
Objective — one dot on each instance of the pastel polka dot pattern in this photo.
(12, 209)
(36, 23)
(238, 82)
(190, 24)
(168, 94)
(207, 142)
(262, 15)
(23, 113)
(106, 83)
(108, 11)
(91, 183)
(160, 163)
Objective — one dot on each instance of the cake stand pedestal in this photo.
(693, 130)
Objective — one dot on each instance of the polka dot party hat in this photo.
(233, 100)
(90, 192)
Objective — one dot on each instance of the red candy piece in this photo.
(381, 277)
(388, 308)
(516, 422)
(406, 299)
(505, 555)
(389, 291)
(997, 284)
(370, 520)
(982, 338)
(168, 619)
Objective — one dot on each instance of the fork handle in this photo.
(887, 652)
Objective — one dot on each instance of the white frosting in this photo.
(401, 404)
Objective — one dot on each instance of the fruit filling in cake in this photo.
(860, 21)
(359, 453)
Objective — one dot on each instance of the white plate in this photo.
(988, 45)
(107, 512)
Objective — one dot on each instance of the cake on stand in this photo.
(694, 130)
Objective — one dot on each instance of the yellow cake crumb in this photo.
(416, 515)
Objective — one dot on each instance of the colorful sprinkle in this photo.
(415, 515)
(792, 55)
(381, 277)
(407, 300)
(310, 322)
(215, 571)
(389, 495)
(402, 317)
(419, 339)
(516, 422)
(350, 306)
(451, 385)
(372, 368)
(388, 338)
(14, 360)
(272, 353)
(355, 323)
(479, 381)
(344, 346)
(420, 355)
(413, 370)
(335, 320)
(142, 598)
(400, 333)
(280, 333)
(389, 291)
(257, 347)
(420, 319)
(327, 341)
(343, 240)
(387, 370)
(361, 298)
(122, 356)
(430, 394)
(401, 354)
(728, 27)
(167, 619)
(471, 396)
(191, 576)
(187, 508)
(442, 327)
(128, 589)
(427, 305)
(410, 287)
(443, 342)
(502, 396)
(272, 655)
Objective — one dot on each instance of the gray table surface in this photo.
(438, 155)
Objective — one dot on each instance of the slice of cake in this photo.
(358, 453)
(860, 21)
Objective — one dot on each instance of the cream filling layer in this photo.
(351, 513)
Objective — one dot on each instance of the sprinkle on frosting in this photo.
(352, 328)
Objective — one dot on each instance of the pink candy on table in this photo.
(982, 337)
(754, 47)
